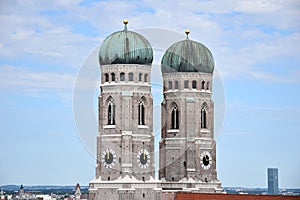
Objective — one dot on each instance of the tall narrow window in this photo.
(113, 77)
(141, 113)
(186, 84)
(207, 85)
(170, 85)
(194, 84)
(175, 118)
(130, 76)
(203, 85)
(111, 113)
(140, 77)
(203, 118)
(106, 77)
(176, 84)
(146, 78)
(122, 76)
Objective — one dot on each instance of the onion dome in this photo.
(125, 47)
(187, 56)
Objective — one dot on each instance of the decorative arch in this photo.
(174, 116)
(203, 85)
(141, 112)
(146, 78)
(122, 76)
(111, 111)
(106, 77)
(170, 85)
(130, 76)
(194, 84)
(140, 77)
(113, 77)
(186, 84)
(204, 115)
(176, 85)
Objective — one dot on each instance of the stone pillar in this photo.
(190, 137)
(126, 153)
(126, 110)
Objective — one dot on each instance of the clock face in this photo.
(205, 160)
(108, 158)
(143, 158)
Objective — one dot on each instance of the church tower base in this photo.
(126, 189)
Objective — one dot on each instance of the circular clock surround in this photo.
(143, 158)
(108, 158)
(205, 160)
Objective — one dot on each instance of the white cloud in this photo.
(27, 31)
(19, 79)
(292, 77)
(286, 114)
(258, 6)
(240, 34)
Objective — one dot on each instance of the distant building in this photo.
(77, 192)
(272, 180)
(21, 191)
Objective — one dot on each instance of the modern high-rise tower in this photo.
(187, 147)
(272, 181)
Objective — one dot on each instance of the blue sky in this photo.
(46, 46)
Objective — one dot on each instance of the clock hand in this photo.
(144, 155)
(107, 156)
(206, 158)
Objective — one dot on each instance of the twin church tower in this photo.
(125, 168)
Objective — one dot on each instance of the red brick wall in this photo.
(199, 196)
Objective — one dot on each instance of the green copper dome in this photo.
(125, 47)
(187, 56)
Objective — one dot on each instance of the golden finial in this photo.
(187, 32)
(125, 22)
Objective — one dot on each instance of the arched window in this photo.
(106, 77)
(207, 85)
(175, 118)
(186, 84)
(113, 77)
(194, 84)
(146, 78)
(170, 85)
(141, 113)
(140, 77)
(176, 84)
(111, 113)
(203, 85)
(130, 76)
(122, 76)
(203, 118)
